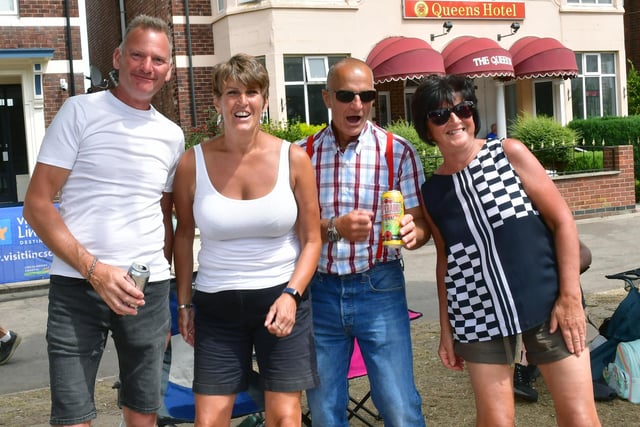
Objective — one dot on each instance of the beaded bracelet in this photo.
(185, 306)
(93, 267)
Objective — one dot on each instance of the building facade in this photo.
(561, 58)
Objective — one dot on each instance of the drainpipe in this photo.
(72, 83)
(194, 113)
(123, 22)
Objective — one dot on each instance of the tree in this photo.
(633, 89)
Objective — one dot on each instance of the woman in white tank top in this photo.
(254, 200)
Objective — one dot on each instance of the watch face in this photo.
(333, 235)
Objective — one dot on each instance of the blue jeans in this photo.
(371, 307)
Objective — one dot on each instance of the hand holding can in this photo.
(392, 212)
(139, 274)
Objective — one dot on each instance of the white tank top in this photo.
(245, 244)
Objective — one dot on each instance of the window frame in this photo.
(605, 91)
(308, 83)
(13, 11)
(592, 3)
(308, 68)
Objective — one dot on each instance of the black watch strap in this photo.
(294, 293)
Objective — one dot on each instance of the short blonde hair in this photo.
(242, 68)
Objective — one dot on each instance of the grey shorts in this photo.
(78, 326)
(541, 347)
(229, 325)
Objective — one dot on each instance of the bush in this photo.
(583, 161)
(291, 131)
(612, 131)
(206, 130)
(429, 154)
(633, 89)
(550, 141)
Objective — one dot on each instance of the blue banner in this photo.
(23, 256)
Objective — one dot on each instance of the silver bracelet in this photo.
(185, 306)
(93, 267)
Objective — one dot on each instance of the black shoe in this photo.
(522, 384)
(533, 371)
(8, 348)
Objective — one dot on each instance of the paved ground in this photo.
(613, 241)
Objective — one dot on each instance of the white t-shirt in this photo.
(121, 160)
(245, 244)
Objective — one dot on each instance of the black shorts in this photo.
(229, 325)
(541, 347)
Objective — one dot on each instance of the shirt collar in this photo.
(357, 146)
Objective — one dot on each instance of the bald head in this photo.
(348, 81)
(345, 68)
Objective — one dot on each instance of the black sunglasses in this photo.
(439, 117)
(347, 96)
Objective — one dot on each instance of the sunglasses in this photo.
(439, 117)
(347, 96)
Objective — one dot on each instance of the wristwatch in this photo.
(332, 232)
(294, 293)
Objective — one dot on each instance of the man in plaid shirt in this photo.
(358, 290)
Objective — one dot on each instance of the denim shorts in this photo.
(77, 330)
(229, 325)
(540, 345)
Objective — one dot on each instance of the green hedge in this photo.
(612, 131)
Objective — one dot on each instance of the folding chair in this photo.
(357, 369)
(179, 403)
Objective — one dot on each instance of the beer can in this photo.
(139, 274)
(392, 211)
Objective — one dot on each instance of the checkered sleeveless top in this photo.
(501, 275)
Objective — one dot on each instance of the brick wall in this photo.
(603, 193)
(203, 94)
(396, 94)
(104, 33)
(196, 7)
(201, 44)
(41, 37)
(45, 8)
(18, 37)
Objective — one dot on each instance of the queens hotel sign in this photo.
(418, 9)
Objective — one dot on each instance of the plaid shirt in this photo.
(356, 179)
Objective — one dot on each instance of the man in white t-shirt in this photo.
(112, 157)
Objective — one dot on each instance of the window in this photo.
(590, 2)
(384, 100)
(410, 86)
(221, 5)
(8, 7)
(316, 68)
(304, 79)
(593, 92)
(543, 93)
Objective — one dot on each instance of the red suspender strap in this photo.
(310, 146)
(388, 154)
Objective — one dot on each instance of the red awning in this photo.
(477, 57)
(542, 57)
(400, 58)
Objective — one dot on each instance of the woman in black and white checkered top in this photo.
(507, 263)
